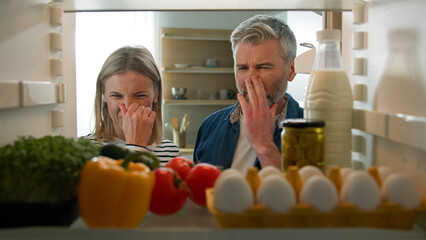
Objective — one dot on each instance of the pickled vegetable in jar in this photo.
(302, 143)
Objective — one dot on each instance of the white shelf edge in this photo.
(17, 94)
(405, 129)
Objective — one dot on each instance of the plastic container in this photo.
(302, 143)
(329, 98)
(21, 214)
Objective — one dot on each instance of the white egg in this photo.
(400, 189)
(384, 171)
(308, 171)
(276, 193)
(344, 172)
(320, 192)
(361, 189)
(232, 194)
(268, 170)
(223, 174)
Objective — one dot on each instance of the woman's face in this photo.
(127, 87)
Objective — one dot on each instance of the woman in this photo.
(128, 104)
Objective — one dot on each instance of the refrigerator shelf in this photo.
(405, 129)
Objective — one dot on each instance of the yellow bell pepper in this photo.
(114, 193)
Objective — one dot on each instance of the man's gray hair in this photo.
(263, 27)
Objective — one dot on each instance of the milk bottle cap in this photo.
(329, 34)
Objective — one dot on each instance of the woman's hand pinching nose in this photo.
(122, 108)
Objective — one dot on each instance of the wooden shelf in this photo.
(196, 38)
(203, 70)
(196, 34)
(200, 102)
(192, 47)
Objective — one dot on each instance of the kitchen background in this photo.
(100, 33)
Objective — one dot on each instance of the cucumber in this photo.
(146, 158)
(114, 151)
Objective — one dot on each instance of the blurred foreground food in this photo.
(43, 170)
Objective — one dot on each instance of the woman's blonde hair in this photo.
(137, 59)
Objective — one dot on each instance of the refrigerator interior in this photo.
(37, 78)
(37, 83)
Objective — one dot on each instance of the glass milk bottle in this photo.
(329, 98)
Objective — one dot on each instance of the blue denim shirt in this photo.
(217, 137)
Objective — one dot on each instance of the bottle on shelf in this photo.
(329, 98)
(400, 88)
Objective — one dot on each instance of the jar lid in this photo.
(303, 123)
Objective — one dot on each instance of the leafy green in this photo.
(43, 169)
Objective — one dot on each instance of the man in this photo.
(248, 133)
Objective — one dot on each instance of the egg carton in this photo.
(386, 215)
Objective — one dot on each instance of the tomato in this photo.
(181, 165)
(169, 194)
(201, 177)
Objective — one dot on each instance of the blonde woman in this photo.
(128, 104)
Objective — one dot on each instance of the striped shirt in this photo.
(164, 152)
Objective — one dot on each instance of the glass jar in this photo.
(302, 143)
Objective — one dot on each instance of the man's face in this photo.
(264, 62)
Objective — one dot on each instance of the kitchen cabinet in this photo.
(191, 48)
